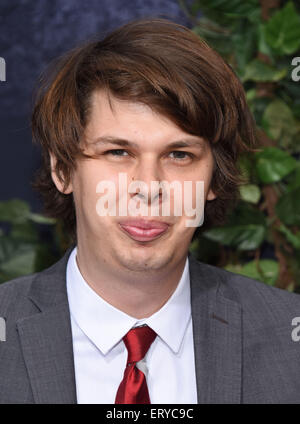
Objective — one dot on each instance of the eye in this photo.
(180, 155)
(116, 152)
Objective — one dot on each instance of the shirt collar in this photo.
(106, 325)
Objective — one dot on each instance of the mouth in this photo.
(144, 230)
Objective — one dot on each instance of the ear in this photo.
(211, 195)
(58, 181)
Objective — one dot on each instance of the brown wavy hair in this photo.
(158, 63)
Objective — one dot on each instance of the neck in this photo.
(138, 294)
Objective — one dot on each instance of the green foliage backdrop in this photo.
(22, 250)
(261, 41)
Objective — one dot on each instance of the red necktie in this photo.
(133, 388)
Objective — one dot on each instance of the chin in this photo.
(145, 259)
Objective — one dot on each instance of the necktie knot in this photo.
(133, 388)
(137, 341)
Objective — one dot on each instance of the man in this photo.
(128, 315)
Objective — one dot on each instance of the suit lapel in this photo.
(46, 338)
(217, 336)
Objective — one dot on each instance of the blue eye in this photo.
(116, 152)
(181, 155)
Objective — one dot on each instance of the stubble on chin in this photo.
(144, 261)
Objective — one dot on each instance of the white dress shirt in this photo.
(100, 354)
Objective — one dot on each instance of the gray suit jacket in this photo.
(244, 352)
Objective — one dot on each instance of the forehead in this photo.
(110, 116)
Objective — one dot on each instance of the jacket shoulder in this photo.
(48, 284)
(13, 291)
(255, 297)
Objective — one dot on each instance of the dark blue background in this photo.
(32, 33)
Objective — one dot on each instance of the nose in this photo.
(145, 181)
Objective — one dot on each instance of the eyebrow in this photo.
(127, 143)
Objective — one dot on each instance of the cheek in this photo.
(197, 186)
(206, 174)
(84, 186)
(97, 188)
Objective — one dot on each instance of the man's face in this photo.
(136, 243)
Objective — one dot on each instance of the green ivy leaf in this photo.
(258, 106)
(17, 258)
(292, 89)
(261, 72)
(21, 264)
(244, 46)
(278, 121)
(251, 94)
(250, 193)
(14, 210)
(263, 46)
(292, 238)
(7, 248)
(41, 219)
(273, 164)
(293, 179)
(282, 31)
(265, 270)
(288, 207)
(24, 231)
(243, 237)
(244, 214)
